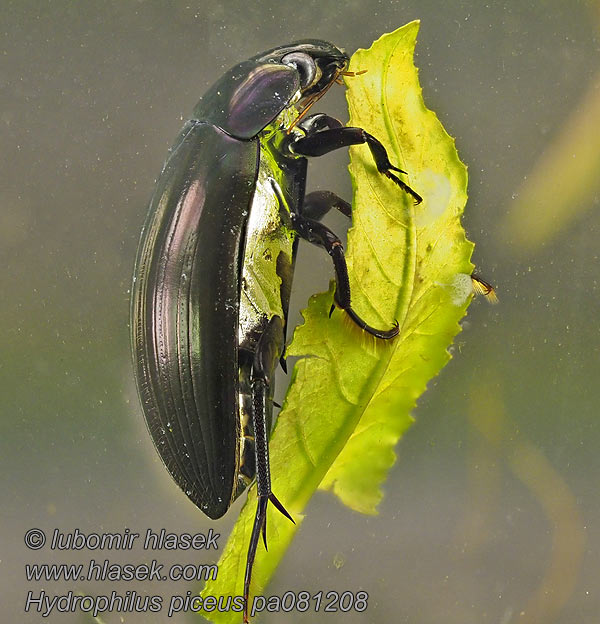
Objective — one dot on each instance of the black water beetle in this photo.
(214, 270)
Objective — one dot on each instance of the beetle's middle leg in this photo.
(325, 134)
(318, 203)
(318, 234)
(265, 361)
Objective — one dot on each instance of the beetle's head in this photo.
(253, 93)
(318, 64)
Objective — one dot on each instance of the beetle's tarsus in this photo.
(418, 199)
(385, 334)
(260, 526)
(259, 521)
(326, 140)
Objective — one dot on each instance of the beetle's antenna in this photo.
(358, 73)
(349, 74)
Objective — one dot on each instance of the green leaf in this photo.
(351, 394)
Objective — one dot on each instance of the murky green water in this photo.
(493, 508)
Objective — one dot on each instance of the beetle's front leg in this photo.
(318, 234)
(325, 134)
(265, 360)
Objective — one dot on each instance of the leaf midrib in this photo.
(373, 381)
(408, 274)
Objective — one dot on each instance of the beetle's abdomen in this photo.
(185, 311)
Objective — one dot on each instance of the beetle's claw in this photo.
(331, 309)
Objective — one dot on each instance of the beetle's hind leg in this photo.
(265, 361)
(318, 234)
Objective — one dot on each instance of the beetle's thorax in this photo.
(268, 246)
(271, 136)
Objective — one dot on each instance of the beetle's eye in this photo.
(304, 64)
